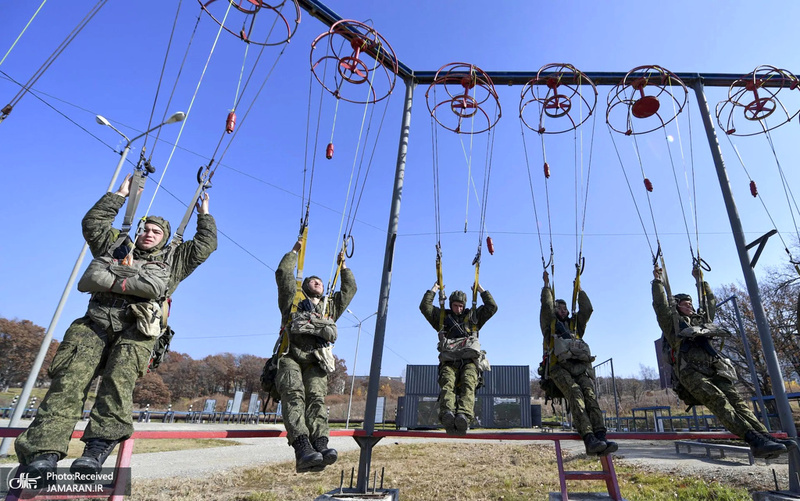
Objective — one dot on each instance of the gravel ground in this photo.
(655, 456)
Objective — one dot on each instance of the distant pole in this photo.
(749, 358)
(355, 360)
(48, 336)
(771, 358)
(614, 386)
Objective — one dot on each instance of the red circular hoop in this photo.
(559, 92)
(755, 97)
(635, 104)
(360, 56)
(349, 66)
(468, 89)
(250, 10)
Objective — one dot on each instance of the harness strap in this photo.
(137, 182)
(440, 281)
(576, 287)
(203, 183)
(472, 327)
(282, 345)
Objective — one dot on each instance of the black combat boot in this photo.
(329, 456)
(42, 465)
(307, 458)
(461, 424)
(593, 446)
(610, 446)
(448, 421)
(763, 447)
(787, 442)
(94, 455)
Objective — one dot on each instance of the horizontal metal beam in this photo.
(328, 17)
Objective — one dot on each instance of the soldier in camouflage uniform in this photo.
(106, 342)
(459, 369)
(302, 379)
(708, 377)
(568, 364)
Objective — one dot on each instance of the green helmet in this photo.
(458, 296)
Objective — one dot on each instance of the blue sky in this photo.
(54, 170)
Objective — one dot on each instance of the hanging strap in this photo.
(203, 184)
(440, 281)
(282, 345)
(576, 288)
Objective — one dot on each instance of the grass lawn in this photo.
(438, 471)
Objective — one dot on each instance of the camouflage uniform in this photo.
(105, 342)
(458, 379)
(697, 364)
(575, 378)
(302, 383)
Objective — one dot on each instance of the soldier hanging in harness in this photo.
(461, 360)
(303, 368)
(703, 376)
(130, 285)
(568, 364)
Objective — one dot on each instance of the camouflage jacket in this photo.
(287, 287)
(667, 314)
(186, 257)
(457, 324)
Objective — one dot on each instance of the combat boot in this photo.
(461, 424)
(42, 465)
(789, 443)
(448, 421)
(329, 456)
(593, 446)
(610, 446)
(763, 447)
(307, 458)
(94, 455)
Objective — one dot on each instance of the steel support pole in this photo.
(365, 458)
(749, 358)
(48, 335)
(614, 387)
(771, 358)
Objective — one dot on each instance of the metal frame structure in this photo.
(695, 81)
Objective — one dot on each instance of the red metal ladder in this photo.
(607, 473)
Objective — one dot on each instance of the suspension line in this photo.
(22, 32)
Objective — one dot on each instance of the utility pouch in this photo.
(148, 318)
(548, 386)
(704, 330)
(458, 348)
(268, 378)
(483, 362)
(161, 348)
(145, 279)
(312, 323)
(571, 349)
(724, 368)
(324, 356)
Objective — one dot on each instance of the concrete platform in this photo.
(352, 494)
(775, 496)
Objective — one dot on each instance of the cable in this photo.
(22, 32)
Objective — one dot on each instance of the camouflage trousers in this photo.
(88, 351)
(720, 396)
(458, 380)
(576, 382)
(303, 385)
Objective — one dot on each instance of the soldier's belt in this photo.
(114, 301)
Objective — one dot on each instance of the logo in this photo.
(24, 481)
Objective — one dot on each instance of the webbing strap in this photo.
(203, 183)
(440, 281)
(473, 326)
(299, 295)
(576, 287)
(137, 182)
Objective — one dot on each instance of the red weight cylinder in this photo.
(329, 151)
(490, 245)
(230, 123)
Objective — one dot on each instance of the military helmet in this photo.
(682, 297)
(458, 296)
(305, 288)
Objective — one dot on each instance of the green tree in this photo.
(19, 343)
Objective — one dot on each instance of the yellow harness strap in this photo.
(472, 327)
(299, 295)
(440, 281)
